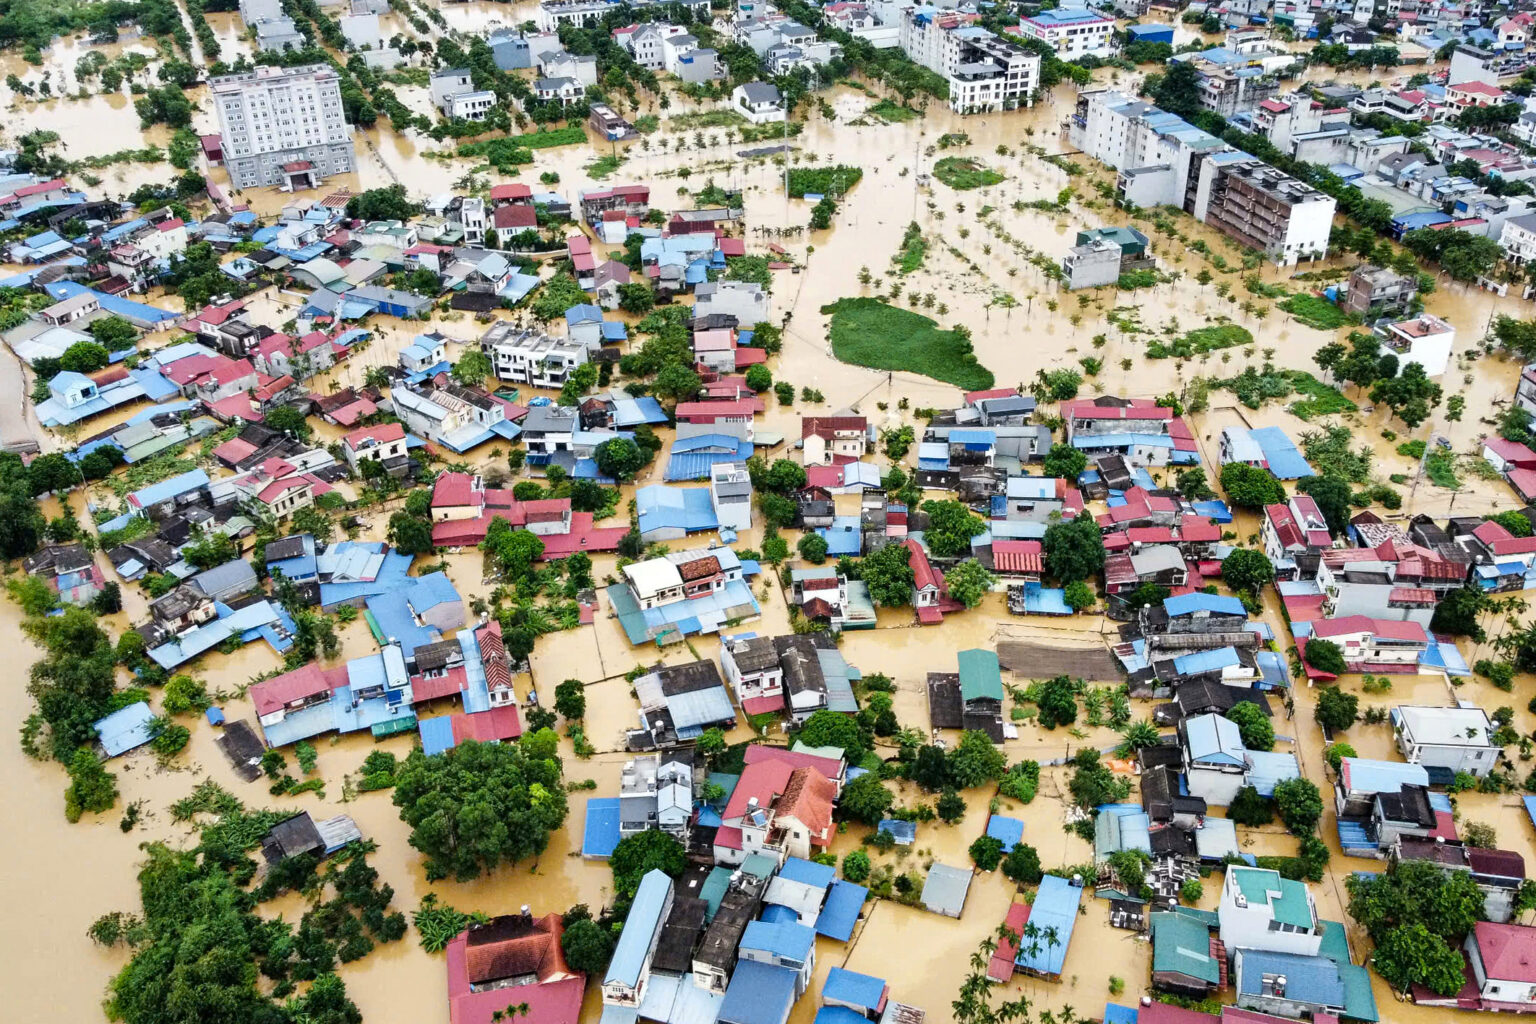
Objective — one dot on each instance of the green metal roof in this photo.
(713, 890)
(1335, 945)
(1359, 1000)
(980, 677)
(1289, 907)
(1182, 945)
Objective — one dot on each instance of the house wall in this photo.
(1479, 761)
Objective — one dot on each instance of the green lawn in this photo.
(1315, 312)
(962, 172)
(867, 332)
(1199, 341)
(892, 113)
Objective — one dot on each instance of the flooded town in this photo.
(768, 513)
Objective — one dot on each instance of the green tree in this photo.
(389, 203)
(968, 582)
(1057, 702)
(1458, 611)
(1022, 865)
(1251, 808)
(515, 550)
(578, 384)
(479, 805)
(866, 799)
(1247, 569)
(1079, 596)
(951, 806)
(571, 700)
(1413, 955)
(288, 420)
(888, 574)
(1300, 805)
(975, 761)
(587, 946)
(636, 298)
(1074, 549)
(1325, 656)
(1250, 487)
(812, 547)
(84, 357)
(91, 787)
(856, 866)
(1137, 735)
(472, 368)
(676, 383)
(1178, 90)
(1065, 462)
(930, 768)
(638, 855)
(950, 528)
(1448, 903)
(759, 378)
(619, 459)
(1257, 732)
(1336, 709)
(1192, 485)
(1336, 753)
(828, 728)
(410, 534)
(1092, 782)
(1332, 496)
(986, 851)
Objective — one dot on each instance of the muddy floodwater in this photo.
(978, 271)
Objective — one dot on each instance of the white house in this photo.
(730, 491)
(1424, 339)
(1459, 739)
(758, 102)
(1519, 239)
(454, 94)
(1072, 31)
(1261, 910)
(381, 443)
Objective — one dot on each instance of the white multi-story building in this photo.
(1460, 739)
(1424, 339)
(730, 491)
(984, 72)
(283, 126)
(1072, 32)
(1518, 239)
(531, 357)
(454, 93)
(1261, 910)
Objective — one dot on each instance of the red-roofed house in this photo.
(1473, 94)
(1295, 527)
(43, 191)
(211, 378)
(827, 439)
(514, 960)
(511, 220)
(511, 193)
(929, 595)
(463, 507)
(293, 691)
(383, 443)
(1000, 969)
(1504, 455)
(1375, 645)
(1017, 559)
(302, 358)
(739, 411)
(1500, 971)
(778, 808)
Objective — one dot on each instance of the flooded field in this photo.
(978, 270)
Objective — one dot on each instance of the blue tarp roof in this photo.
(841, 911)
(1201, 662)
(1010, 831)
(1284, 458)
(853, 988)
(602, 832)
(1055, 907)
(125, 729)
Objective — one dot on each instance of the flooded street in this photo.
(982, 270)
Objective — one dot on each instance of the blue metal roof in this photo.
(1010, 831)
(759, 994)
(1214, 739)
(1313, 978)
(1368, 776)
(1055, 907)
(165, 490)
(1113, 1012)
(660, 507)
(634, 943)
(1284, 458)
(788, 939)
(125, 729)
(808, 872)
(1186, 604)
(1270, 767)
(1206, 661)
(839, 1015)
(853, 988)
(841, 911)
(436, 734)
(844, 537)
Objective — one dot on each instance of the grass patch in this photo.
(913, 248)
(1133, 279)
(867, 332)
(770, 131)
(1411, 449)
(1319, 399)
(961, 172)
(507, 154)
(603, 166)
(823, 181)
(1315, 312)
(1440, 467)
(1253, 389)
(1201, 340)
(707, 119)
(892, 113)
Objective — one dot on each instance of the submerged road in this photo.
(16, 433)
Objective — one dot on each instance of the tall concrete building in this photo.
(984, 72)
(283, 126)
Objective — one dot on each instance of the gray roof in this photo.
(945, 890)
(234, 575)
(760, 92)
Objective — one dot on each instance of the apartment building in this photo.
(1518, 239)
(529, 357)
(1424, 339)
(984, 71)
(283, 126)
(1267, 209)
(454, 94)
(1072, 32)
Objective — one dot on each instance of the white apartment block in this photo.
(1424, 339)
(283, 126)
(531, 357)
(1072, 32)
(454, 93)
(1519, 239)
(984, 72)
(1459, 739)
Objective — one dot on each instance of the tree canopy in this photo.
(888, 574)
(1257, 731)
(866, 799)
(1250, 487)
(479, 805)
(638, 855)
(1074, 549)
(1247, 569)
(950, 528)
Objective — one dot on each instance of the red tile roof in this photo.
(828, 426)
(1017, 556)
(381, 433)
(515, 217)
(1001, 968)
(453, 490)
(758, 753)
(764, 780)
(304, 682)
(923, 575)
(1385, 628)
(1508, 951)
(510, 191)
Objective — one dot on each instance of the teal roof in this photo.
(713, 890)
(980, 676)
(1359, 1000)
(1286, 899)
(1182, 945)
(1335, 945)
